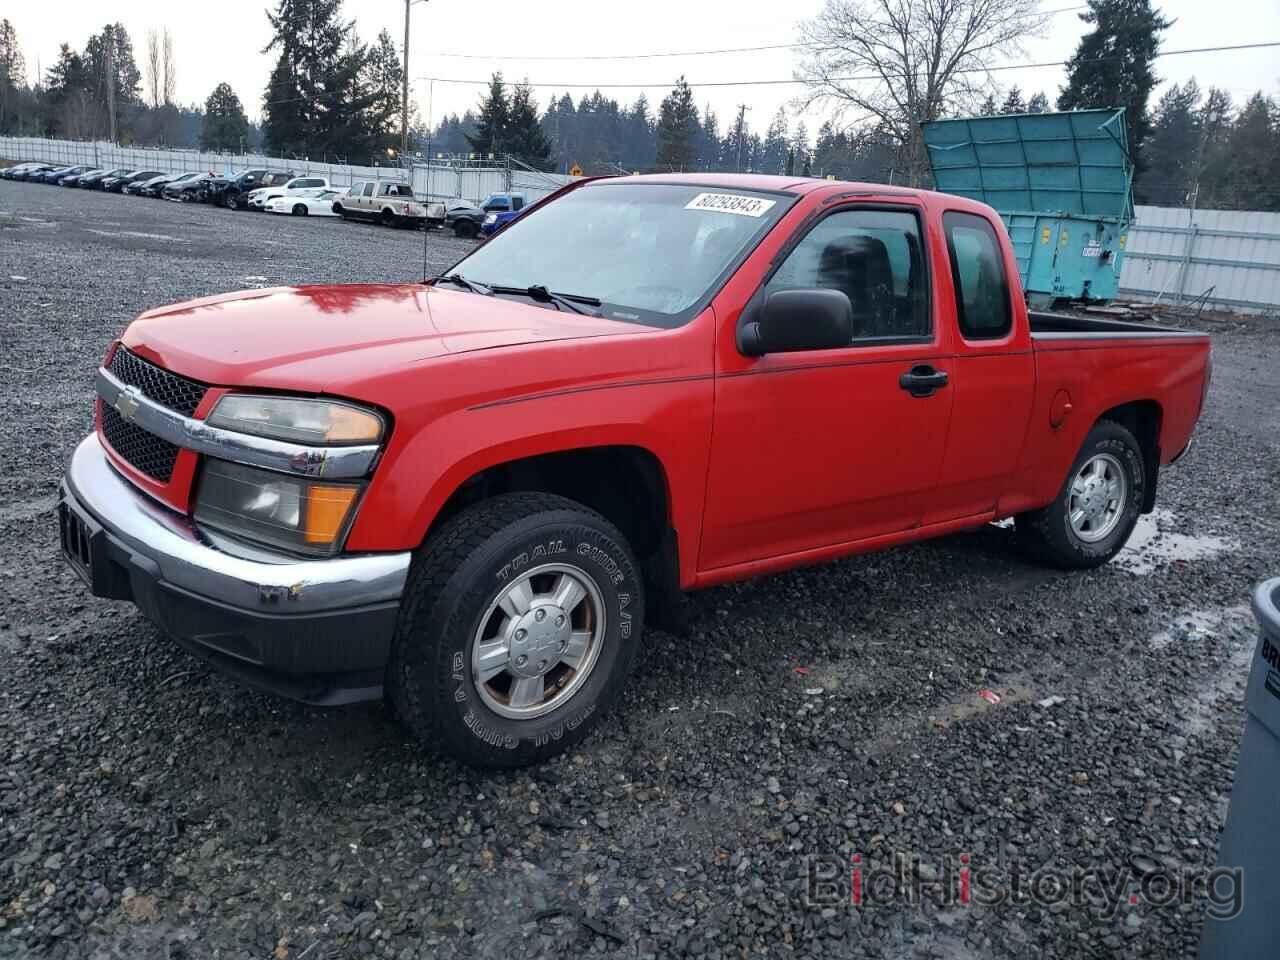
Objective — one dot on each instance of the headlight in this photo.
(491, 218)
(297, 420)
(295, 514)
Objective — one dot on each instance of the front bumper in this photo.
(318, 631)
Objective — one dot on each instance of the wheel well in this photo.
(1142, 418)
(624, 484)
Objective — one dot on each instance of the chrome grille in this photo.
(165, 388)
(145, 451)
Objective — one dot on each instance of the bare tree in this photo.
(897, 63)
(170, 68)
(153, 67)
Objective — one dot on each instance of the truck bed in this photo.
(1057, 326)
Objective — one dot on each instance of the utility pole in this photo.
(404, 92)
(741, 130)
(111, 80)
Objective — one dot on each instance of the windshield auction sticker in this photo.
(731, 203)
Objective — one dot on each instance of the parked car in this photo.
(388, 202)
(13, 171)
(298, 186)
(135, 187)
(187, 189)
(117, 184)
(470, 495)
(232, 192)
(93, 181)
(308, 205)
(156, 186)
(73, 180)
(56, 174)
(461, 216)
(31, 170)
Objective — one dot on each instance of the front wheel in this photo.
(517, 630)
(231, 201)
(465, 229)
(1095, 511)
(299, 209)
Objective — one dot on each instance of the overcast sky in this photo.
(223, 41)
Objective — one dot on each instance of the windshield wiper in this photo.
(458, 280)
(541, 294)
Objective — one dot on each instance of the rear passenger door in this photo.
(827, 447)
(992, 370)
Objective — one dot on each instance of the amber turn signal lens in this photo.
(327, 510)
(347, 424)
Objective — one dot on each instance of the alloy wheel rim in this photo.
(538, 641)
(1097, 497)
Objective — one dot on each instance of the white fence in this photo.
(1230, 258)
(437, 180)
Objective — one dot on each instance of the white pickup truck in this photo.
(389, 202)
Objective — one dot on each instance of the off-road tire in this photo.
(454, 578)
(388, 218)
(1047, 534)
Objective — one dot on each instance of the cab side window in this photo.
(977, 270)
(354, 189)
(874, 257)
(368, 189)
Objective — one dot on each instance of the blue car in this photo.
(53, 176)
(500, 209)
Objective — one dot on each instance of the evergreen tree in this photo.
(800, 151)
(775, 144)
(225, 126)
(382, 85)
(988, 108)
(1038, 104)
(1254, 147)
(1213, 166)
(127, 77)
(1112, 65)
(13, 72)
(69, 110)
(307, 103)
(640, 143)
(1171, 152)
(524, 138)
(1013, 102)
(677, 129)
(494, 120)
(709, 146)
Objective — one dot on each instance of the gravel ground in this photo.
(152, 809)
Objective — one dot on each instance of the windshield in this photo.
(653, 253)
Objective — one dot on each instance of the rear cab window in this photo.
(876, 258)
(977, 271)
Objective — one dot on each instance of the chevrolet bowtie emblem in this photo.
(127, 403)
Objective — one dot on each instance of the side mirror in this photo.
(793, 320)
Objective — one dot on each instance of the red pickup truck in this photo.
(467, 494)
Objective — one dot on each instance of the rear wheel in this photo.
(517, 630)
(1095, 511)
(388, 218)
(299, 209)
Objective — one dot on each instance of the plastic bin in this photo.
(1250, 845)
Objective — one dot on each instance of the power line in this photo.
(664, 55)
(792, 82)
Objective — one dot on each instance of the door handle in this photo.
(923, 380)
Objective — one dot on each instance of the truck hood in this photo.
(311, 338)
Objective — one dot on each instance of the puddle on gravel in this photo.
(1153, 544)
(1232, 632)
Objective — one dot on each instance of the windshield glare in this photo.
(651, 252)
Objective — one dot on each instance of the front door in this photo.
(833, 446)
